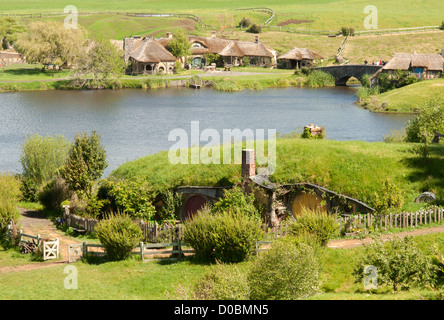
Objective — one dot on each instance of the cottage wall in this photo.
(8, 58)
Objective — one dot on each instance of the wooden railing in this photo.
(392, 220)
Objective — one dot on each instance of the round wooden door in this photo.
(194, 204)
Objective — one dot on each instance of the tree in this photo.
(85, 164)
(429, 120)
(103, 60)
(41, 158)
(179, 46)
(49, 43)
(10, 28)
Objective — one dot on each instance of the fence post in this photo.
(141, 251)
(84, 249)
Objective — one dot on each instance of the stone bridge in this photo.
(344, 72)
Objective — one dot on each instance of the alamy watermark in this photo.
(188, 150)
(371, 21)
(71, 21)
(371, 281)
(70, 281)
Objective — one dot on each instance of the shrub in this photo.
(41, 158)
(119, 235)
(389, 197)
(287, 271)
(198, 233)
(319, 79)
(133, 197)
(318, 223)
(254, 28)
(441, 27)
(222, 282)
(429, 120)
(347, 31)
(395, 136)
(399, 264)
(237, 201)
(10, 195)
(172, 202)
(235, 236)
(225, 236)
(54, 193)
(244, 23)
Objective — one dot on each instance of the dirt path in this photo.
(36, 223)
(352, 243)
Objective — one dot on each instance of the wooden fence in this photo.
(156, 251)
(152, 232)
(392, 220)
(356, 33)
(87, 13)
(23, 235)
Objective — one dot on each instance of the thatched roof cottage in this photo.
(298, 58)
(423, 66)
(232, 52)
(148, 56)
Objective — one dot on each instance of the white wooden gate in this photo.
(50, 249)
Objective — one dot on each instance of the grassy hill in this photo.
(354, 168)
(407, 99)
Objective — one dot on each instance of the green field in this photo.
(159, 280)
(325, 14)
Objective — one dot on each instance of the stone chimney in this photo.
(248, 163)
(213, 34)
(169, 35)
(128, 47)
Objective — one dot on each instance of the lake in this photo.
(135, 122)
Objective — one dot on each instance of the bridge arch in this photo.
(344, 72)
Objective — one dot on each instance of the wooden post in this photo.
(416, 219)
(142, 251)
(84, 250)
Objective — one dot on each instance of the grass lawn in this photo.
(346, 167)
(31, 72)
(154, 280)
(409, 98)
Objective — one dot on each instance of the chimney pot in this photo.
(248, 163)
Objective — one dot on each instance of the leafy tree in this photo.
(179, 46)
(10, 195)
(399, 263)
(10, 28)
(103, 60)
(86, 163)
(41, 158)
(49, 43)
(429, 120)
